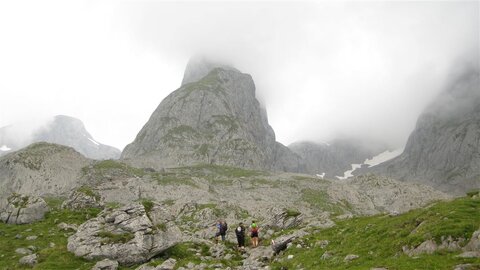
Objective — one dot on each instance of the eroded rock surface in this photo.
(126, 235)
(23, 209)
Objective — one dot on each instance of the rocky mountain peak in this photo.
(213, 120)
(199, 66)
(60, 129)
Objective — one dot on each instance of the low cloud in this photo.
(322, 69)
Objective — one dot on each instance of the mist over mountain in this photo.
(61, 129)
(444, 149)
(333, 159)
(213, 120)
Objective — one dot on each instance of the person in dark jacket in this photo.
(223, 229)
(240, 233)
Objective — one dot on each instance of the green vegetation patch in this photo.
(112, 168)
(51, 243)
(115, 238)
(319, 199)
(173, 179)
(292, 213)
(89, 192)
(378, 240)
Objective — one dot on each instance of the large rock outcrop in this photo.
(444, 149)
(41, 169)
(22, 209)
(214, 120)
(129, 235)
(61, 129)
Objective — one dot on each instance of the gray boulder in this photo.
(126, 235)
(29, 260)
(167, 265)
(474, 243)
(23, 209)
(284, 219)
(106, 264)
(83, 197)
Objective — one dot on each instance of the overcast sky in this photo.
(322, 70)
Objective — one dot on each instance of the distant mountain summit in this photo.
(213, 118)
(444, 149)
(64, 130)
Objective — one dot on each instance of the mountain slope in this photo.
(215, 120)
(333, 159)
(41, 169)
(444, 148)
(64, 130)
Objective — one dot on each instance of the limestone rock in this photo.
(466, 266)
(474, 243)
(167, 265)
(29, 260)
(284, 219)
(470, 254)
(23, 251)
(351, 257)
(65, 227)
(326, 255)
(83, 197)
(126, 235)
(258, 257)
(23, 209)
(426, 247)
(106, 264)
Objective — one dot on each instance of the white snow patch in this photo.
(92, 140)
(321, 175)
(5, 148)
(348, 173)
(382, 157)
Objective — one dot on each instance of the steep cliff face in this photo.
(215, 120)
(62, 129)
(444, 148)
(333, 159)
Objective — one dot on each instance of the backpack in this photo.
(223, 227)
(240, 231)
(254, 228)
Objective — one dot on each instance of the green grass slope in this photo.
(378, 240)
(51, 244)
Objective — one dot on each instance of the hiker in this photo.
(223, 229)
(240, 233)
(218, 225)
(254, 233)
